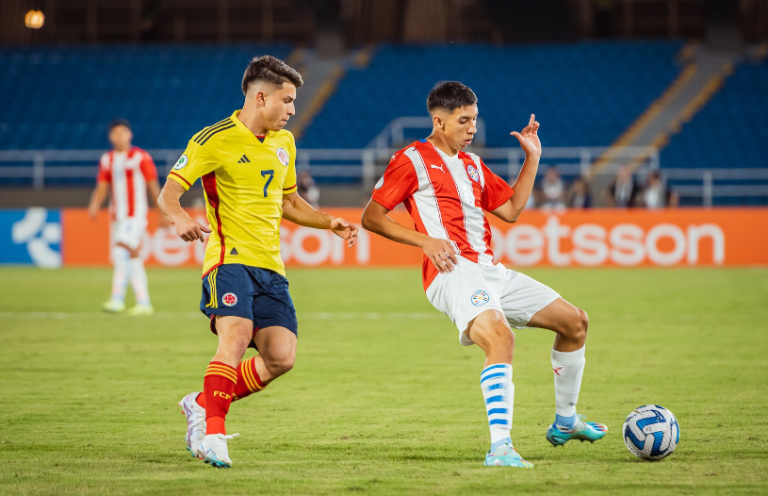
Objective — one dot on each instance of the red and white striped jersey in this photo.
(446, 197)
(128, 174)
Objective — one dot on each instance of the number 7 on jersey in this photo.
(269, 174)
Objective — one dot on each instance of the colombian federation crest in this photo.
(480, 298)
(283, 156)
(473, 173)
(181, 163)
(229, 299)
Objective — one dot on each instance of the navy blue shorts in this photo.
(259, 295)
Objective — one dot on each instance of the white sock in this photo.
(120, 258)
(499, 396)
(568, 368)
(139, 281)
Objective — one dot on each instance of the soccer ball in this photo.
(651, 432)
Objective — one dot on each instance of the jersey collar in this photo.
(242, 127)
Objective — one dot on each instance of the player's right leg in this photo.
(491, 332)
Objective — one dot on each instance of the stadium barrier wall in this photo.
(587, 238)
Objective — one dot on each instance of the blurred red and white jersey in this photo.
(128, 174)
(446, 197)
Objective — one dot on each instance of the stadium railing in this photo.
(44, 168)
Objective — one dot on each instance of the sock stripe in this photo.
(248, 371)
(222, 370)
(494, 399)
(492, 376)
(498, 422)
(495, 367)
(498, 411)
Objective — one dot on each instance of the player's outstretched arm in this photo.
(97, 198)
(529, 142)
(440, 252)
(187, 228)
(298, 211)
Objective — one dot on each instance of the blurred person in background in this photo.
(552, 190)
(623, 191)
(654, 195)
(125, 174)
(307, 189)
(579, 197)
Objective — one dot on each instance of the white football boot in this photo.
(215, 450)
(195, 423)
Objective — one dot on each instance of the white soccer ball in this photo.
(651, 432)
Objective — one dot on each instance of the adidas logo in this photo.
(234, 252)
(243, 160)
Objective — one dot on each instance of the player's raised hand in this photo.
(529, 138)
(345, 230)
(441, 253)
(189, 229)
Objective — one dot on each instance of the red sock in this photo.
(218, 387)
(248, 382)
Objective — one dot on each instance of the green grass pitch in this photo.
(383, 400)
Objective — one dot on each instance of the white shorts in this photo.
(128, 231)
(470, 289)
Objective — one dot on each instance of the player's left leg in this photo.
(570, 324)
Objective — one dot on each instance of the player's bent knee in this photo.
(578, 325)
(279, 365)
(490, 330)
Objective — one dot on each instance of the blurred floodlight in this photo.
(34, 19)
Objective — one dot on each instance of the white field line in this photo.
(301, 315)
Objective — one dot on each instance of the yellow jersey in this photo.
(244, 179)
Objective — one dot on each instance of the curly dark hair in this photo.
(271, 70)
(450, 95)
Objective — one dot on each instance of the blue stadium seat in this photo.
(584, 94)
(64, 96)
(730, 131)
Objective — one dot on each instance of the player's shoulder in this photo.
(135, 150)
(285, 136)
(401, 157)
(214, 132)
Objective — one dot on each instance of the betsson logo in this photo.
(623, 244)
(520, 245)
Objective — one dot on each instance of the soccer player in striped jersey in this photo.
(247, 166)
(447, 192)
(127, 172)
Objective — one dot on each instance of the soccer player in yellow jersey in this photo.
(247, 166)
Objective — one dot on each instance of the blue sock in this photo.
(499, 396)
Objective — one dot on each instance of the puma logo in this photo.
(433, 166)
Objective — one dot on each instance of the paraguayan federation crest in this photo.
(473, 173)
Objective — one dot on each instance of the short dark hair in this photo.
(118, 122)
(450, 95)
(270, 70)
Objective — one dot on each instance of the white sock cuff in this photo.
(567, 358)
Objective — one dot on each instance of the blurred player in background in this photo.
(247, 166)
(126, 172)
(446, 191)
